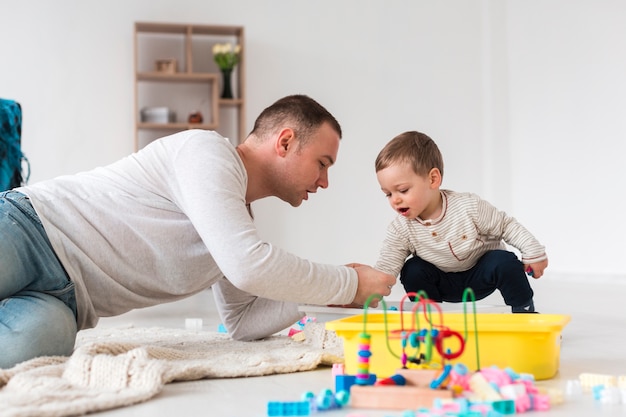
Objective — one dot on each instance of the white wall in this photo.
(527, 100)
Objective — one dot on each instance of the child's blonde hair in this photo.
(415, 148)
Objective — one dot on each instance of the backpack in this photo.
(11, 156)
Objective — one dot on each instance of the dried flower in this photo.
(225, 56)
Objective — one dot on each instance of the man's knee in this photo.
(34, 325)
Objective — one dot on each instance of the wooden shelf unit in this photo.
(194, 86)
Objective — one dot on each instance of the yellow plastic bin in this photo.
(527, 343)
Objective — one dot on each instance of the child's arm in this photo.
(494, 222)
(394, 251)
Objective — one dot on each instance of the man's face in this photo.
(305, 169)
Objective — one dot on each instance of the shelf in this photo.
(178, 76)
(192, 84)
(177, 126)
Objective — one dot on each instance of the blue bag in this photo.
(12, 160)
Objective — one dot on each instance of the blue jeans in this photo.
(37, 298)
(495, 270)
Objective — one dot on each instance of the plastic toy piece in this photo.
(541, 402)
(398, 380)
(588, 380)
(482, 389)
(504, 406)
(293, 408)
(339, 369)
(345, 382)
(193, 324)
(364, 353)
(437, 382)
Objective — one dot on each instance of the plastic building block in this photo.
(339, 369)
(482, 389)
(293, 408)
(513, 391)
(504, 406)
(193, 324)
(345, 382)
(573, 388)
(540, 402)
(589, 380)
(523, 403)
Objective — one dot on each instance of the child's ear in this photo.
(435, 178)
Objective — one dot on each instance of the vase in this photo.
(227, 88)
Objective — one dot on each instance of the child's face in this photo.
(409, 194)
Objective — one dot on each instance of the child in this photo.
(456, 239)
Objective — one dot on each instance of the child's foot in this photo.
(528, 308)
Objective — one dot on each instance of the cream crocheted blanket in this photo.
(118, 367)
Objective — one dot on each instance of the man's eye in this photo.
(322, 165)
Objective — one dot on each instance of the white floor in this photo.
(594, 341)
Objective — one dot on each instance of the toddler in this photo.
(453, 240)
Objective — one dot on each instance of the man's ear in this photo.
(435, 178)
(284, 141)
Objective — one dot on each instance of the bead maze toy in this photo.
(423, 373)
(428, 370)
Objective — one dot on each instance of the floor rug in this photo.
(116, 367)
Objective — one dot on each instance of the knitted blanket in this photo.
(118, 367)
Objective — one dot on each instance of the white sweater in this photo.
(466, 229)
(170, 221)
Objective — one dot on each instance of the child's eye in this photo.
(404, 191)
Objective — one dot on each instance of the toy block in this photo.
(293, 408)
(193, 324)
(345, 382)
(541, 402)
(482, 389)
(505, 406)
(394, 397)
(339, 369)
(588, 380)
(512, 391)
(523, 403)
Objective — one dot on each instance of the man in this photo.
(168, 222)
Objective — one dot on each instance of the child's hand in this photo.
(536, 269)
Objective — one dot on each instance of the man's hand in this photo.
(371, 281)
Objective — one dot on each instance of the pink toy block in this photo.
(523, 403)
(496, 376)
(338, 369)
(540, 402)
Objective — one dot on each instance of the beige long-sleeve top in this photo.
(465, 230)
(170, 221)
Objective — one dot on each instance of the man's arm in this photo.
(248, 317)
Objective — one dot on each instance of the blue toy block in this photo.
(505, 407)
(293, 408)
(344, 382)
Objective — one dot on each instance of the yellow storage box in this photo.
(527, 343)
